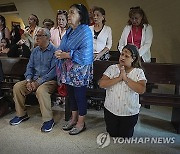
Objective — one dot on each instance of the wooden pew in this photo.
(159, 73)
(97, 94)
(13, 71)
(114, 55)
(164, 74)
(156, 73)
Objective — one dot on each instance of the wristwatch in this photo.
(28, 80)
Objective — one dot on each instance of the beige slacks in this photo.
(43, 94)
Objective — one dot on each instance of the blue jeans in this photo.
(77, 98)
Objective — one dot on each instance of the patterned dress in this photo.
(76, 71)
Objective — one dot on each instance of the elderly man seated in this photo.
(40, 78)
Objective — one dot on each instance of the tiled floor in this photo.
(27, 138)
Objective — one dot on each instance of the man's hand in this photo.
(34, 85)
(29, 86)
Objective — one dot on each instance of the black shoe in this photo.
(75, 130)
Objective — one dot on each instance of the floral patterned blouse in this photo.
(76, 71)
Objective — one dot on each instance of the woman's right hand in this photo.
(6, 50)
(123, 73)
(58, 54)
(62, 55)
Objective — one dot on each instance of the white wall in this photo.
(41, 8)
(163, 15)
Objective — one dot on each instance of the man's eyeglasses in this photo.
(62, 12)
(40, 35)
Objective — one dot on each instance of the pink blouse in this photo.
(135, 37)
(56, 36)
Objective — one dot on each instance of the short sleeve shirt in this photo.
(120, 99)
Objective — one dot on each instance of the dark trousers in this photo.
(119, 126)
(77, 98)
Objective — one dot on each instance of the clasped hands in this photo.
(59, 54)
(32, 86)
(122, 76)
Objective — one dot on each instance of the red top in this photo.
(136, 32)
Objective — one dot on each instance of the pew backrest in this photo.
(99, 68)
(13, 71)
(14, 66)
(163, 73)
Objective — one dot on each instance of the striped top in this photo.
(120, 99)
(79, 43)
(76, 71)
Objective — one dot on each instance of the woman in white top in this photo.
(102, 35)
(123, 82)
(59, 30)
(138, 32)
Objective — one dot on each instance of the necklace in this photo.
(60, 33)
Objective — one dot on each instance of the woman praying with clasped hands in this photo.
(123, 82)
